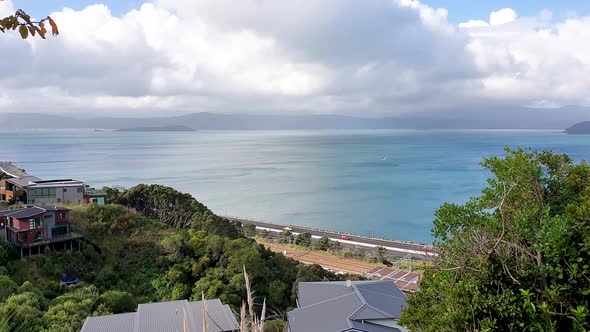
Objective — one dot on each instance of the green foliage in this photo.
(7, 287)
(303, 239)
(249, 230)
(177, 210)
(118, 301)
(516, 257)
(322, 244)
(162, 245)
(285, 237)
(275, 326)
(265, 233)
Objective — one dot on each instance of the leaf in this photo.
(32, 31)
(24, 32)
(42, 30)
(54, 30)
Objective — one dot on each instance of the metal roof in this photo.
(347, 306)
(167, 316)
(30, 211)
(12, 170)
(23, 181)
(112, 323)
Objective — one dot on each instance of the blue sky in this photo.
(459, 10)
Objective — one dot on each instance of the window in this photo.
(64, 215)
(41, 193)
(80, 189)
(65, 190)
(59, 200)
(38, 236)
(35, 223)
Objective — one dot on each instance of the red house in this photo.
(35, 229)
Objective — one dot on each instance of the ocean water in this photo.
(381, 183)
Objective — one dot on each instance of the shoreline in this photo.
(401, 248)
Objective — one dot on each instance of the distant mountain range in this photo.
(480, 118)
(163, 128)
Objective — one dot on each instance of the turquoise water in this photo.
(385, 183)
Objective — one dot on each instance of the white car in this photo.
(288, 228)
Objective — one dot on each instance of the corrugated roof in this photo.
(169, 316)
(112, 323)
(347, 306)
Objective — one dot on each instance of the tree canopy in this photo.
(515, 258)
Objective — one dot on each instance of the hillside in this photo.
(172, 247)
(582, 128)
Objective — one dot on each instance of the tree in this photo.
(322, 244)
(249, 230)
(285, 236)
(516, 258)
(7, 287)
(380, 253)
(27, 26)
(265, 233)
(118, 301)
(303, 239)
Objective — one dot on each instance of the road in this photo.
(395, 247)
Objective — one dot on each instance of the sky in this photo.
(364, 58)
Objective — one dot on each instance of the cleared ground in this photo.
(327, 261)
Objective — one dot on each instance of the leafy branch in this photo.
(26, 26)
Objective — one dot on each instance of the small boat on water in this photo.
(385, 158)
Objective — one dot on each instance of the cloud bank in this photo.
(364, 58)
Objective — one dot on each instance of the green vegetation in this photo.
(516, 258)
(158, 244)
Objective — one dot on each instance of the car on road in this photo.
(344, 237)
(288, 228)
(427, 249)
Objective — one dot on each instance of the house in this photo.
(351, 306)
(93, 196)
(167, 316)
(21, 187)
(34, 229)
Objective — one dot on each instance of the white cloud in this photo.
(473, 24)
(374, 56)
(503, 16)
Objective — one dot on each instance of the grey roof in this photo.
(12, 170)
(30, 211)
(334, 306)
(167, 316)
(120, 322)
(23, 181)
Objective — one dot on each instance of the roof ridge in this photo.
(322, 302)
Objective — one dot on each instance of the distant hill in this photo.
(162, 128)
(582, 128)
(476, 117)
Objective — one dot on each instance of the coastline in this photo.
(398, 248)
